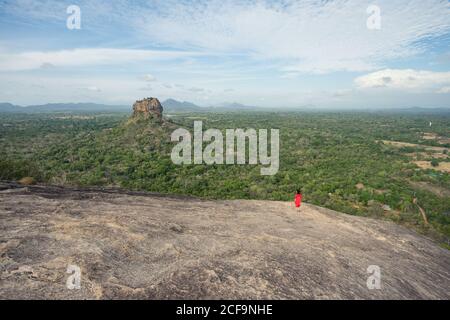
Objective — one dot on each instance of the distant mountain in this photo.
(8, 107)
(75, 107)
(233, 106)
(172, 105)
(62, 107)
(169, 105)
(421, 110)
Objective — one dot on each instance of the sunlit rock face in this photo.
(148, 108)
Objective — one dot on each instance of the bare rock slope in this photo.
(144, 246)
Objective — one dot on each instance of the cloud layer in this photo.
(83, 57)
(308, 36)
(408, 79)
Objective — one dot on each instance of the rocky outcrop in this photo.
(148, 108)
(134, 245)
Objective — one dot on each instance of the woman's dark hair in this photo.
(299, 190)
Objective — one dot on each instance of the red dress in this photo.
(298, 200)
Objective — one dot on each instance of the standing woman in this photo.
(298, 199)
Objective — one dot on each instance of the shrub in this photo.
(434, 163)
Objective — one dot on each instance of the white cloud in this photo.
(93, 89)
(195, 89)
(149, 78)
(308, 36)
(47, 65)
(83, 57)
(341, 93)
(444, 90)
(407, 79)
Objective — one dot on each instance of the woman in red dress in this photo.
(298, 199)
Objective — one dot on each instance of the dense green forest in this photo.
(341, 160)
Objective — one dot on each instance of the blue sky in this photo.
(266, 53)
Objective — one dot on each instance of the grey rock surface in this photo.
(147, 246)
